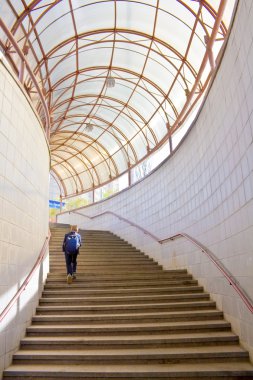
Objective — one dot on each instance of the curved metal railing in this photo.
(245, 298)
(146, 232)
(27, 280)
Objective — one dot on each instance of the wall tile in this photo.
(21, 192)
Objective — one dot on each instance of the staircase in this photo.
(124, 317)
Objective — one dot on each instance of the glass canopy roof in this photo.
(119, 76)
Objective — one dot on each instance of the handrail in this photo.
(245, 298)
(27, 280)
(221, 268)
(146, 232)
(34, 80)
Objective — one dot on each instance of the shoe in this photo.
(74, 275)
(69, 279)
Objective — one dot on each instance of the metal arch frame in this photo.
(81, 152)
(93, 106)
(208, 7)
(62, 164)
(57, 180)
(111, 123)
(102, 41)
(189, 9)
(93, 147)
(35, 2)
(87, 170)
(118, 69)
(104, 85)
(62, 180)
(197, 78)
(129, 81)
(126, 105)
(27, 13)
(32, 76)
(104, 131)
(103, 97)
(109, 132)
(92, 167)
(215, 29)
(78, 72)
(72, 168)
(203, 64)
(121, 31)
(114, 68)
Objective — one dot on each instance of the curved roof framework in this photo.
(118, 76)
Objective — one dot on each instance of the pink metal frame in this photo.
(245, 298)
(55, 117)
(27, 280)
(24, 64)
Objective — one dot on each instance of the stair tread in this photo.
(134, 297)
(77, 305)
(173, 351)
(107, 286)
(133, 338)
(132, 368)
(134, 325)
(125, 290)
(129, 316)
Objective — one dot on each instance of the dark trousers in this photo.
(71, 262)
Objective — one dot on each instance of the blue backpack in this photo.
(72, 243)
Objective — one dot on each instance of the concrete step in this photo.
(104, 318)
(119, 276)
(137, 328)
(102, 253)
(100, 245)
(112, 267)
(122, 341)
(123, 292)
(113, 260)
(133, 356)
(103, 260)
(124, 299)
(78, 308)
(194, 371)
(109, 283)
(128, 273)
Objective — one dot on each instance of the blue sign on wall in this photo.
(55, 204)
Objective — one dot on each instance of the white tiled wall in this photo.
(24, 167)
(205, 189)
